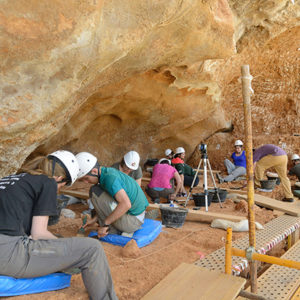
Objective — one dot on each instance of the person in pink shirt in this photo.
(160, 184)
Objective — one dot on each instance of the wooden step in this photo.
(195, 283)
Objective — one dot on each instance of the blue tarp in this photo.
(148, 233)
(10, 286)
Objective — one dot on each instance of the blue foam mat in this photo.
(148, 233)
(10, 286)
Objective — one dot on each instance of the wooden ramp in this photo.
(278, 282)
(196, 283)
(273, 233)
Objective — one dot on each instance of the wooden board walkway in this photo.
(278, 282)
(196, 283)
(273, 233)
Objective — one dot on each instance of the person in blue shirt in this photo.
(238, 167)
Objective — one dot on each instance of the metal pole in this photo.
(268, 259)
(246, 89)
(205, 183)
(228, 255)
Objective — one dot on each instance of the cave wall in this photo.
(110, 76)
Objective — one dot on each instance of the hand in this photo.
(90, 222)
(102, 231)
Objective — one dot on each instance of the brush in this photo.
(81, 231)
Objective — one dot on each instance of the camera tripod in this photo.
(204, 158)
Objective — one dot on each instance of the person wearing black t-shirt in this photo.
(27, 248)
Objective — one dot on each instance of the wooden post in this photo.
(246, 89)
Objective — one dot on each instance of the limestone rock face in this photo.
(111, 76)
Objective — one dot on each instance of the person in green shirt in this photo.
(119, 201)
(130, 166)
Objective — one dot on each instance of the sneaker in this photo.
(220, 178)
(184, 194)
(127, 234)
(152, 214)
(288, 199)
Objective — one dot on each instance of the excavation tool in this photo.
(81, 231)
(204, 158)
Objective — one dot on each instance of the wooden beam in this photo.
(77, 194)
(288, 208)
(146, 178)
(203, 216)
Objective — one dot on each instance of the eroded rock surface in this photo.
(110, 76)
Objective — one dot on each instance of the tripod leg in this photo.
(192, 186)
(214, 182)
(205, 183)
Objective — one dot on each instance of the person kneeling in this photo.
(160, 185)
(119, 201)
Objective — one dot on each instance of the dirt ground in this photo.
(134, 277)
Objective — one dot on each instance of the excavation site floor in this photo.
(136, 271)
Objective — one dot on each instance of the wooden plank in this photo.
(203, 216)
(288, 208)
(296, 296)
(146, 179)
(234, 191)
(196, 283)
(77, 194)
(208, 172)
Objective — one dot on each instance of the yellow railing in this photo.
(229, 252)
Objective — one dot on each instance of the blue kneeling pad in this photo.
(10, 286)
(148, 233)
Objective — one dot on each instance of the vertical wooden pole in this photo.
(228, 254)
(246, 89)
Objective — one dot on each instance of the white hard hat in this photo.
(162, 159)
(168, 152)
(179, 150)
(68, 161)
(86, 162)
(238, 143)
(295, 157)
(132, 160)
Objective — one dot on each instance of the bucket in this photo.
(173, 217)
(277, 179)
(268, 184)
(199, 199)
(296, 193)
(222, 195)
